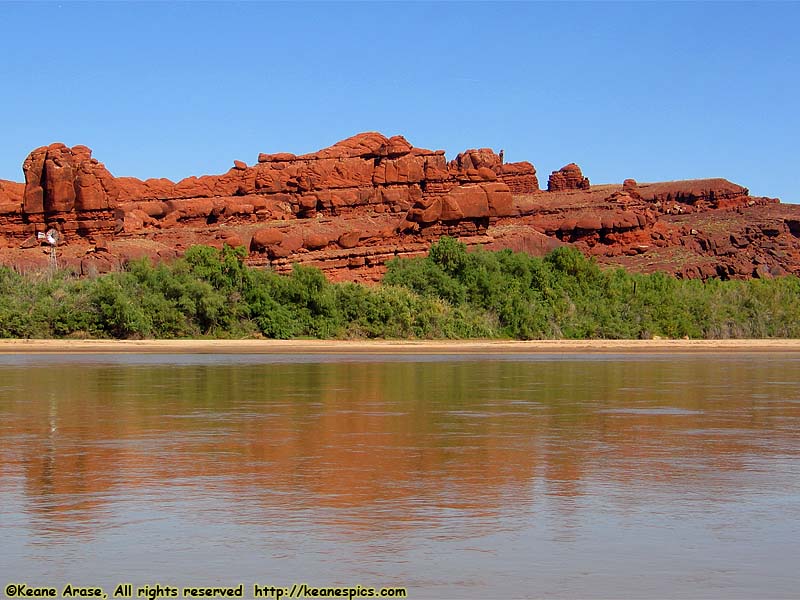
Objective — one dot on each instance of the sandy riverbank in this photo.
(393, 347)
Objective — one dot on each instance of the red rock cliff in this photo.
(353, 206)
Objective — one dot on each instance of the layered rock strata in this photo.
(67, 189)
(568, 177)
(350, 208)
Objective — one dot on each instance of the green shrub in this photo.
(451, 293)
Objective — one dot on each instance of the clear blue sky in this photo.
(650, 91)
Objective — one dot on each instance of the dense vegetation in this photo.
(449, 294)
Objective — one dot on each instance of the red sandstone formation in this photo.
(568, 177)
(68, 189)
(350, 208)
(11, 192)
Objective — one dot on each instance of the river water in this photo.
(642, 476)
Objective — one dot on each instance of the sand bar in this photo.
(203, 346)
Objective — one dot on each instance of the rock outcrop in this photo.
(713, 193)
(350, 208)
(67, 189)
(568, 177)
(11, 192)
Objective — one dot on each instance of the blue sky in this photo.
(645, 90)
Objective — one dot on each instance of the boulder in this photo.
(349, 239)
(264, 238)
(476, 159)
(589, 222)
(629, 185)
(315, 240)
(231, 238)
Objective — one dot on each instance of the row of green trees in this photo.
(451, 293)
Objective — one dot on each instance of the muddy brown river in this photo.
(590, 476)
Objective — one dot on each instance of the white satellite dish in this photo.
(51, 237)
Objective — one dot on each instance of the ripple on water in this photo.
(664, 410)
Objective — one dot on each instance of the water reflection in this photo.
(394, 459)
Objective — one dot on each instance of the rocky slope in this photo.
(349, 208)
